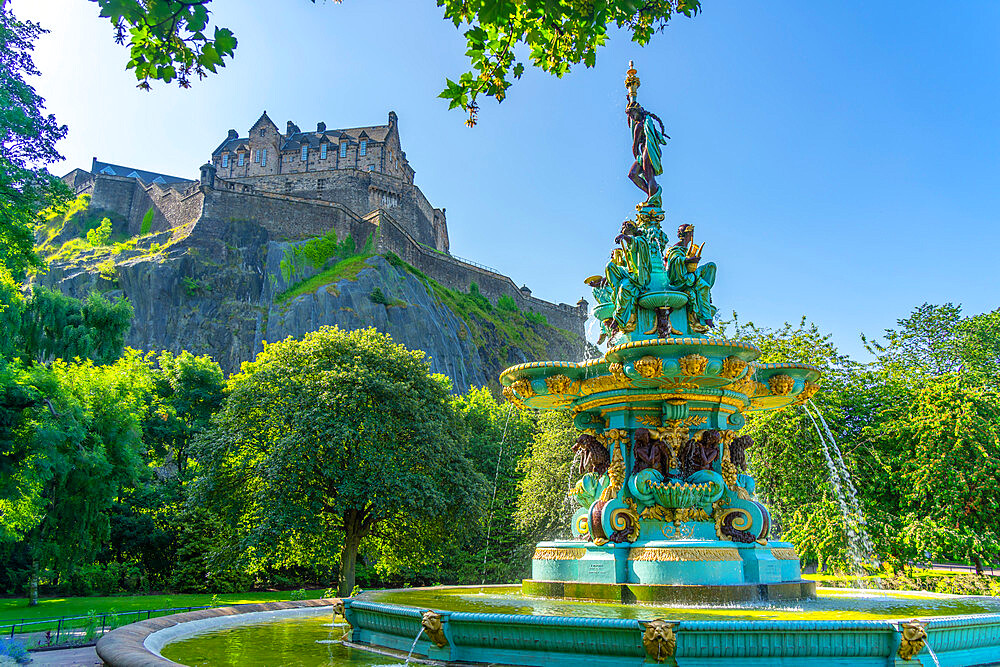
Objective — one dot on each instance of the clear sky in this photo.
(840, 159)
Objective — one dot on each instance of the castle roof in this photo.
(296, 139)
(98, 167)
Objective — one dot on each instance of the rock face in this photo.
(218, 298)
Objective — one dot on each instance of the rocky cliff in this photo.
(223, 296)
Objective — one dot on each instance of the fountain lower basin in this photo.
(501, 625)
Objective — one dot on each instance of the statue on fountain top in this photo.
(647, 138)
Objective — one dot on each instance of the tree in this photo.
(543, 507)
(947, 445)
(171, 39)
(56, 326)
(71, 441)
(27, 144)
(326, 439)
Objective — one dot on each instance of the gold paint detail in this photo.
(693, 364)
(600, 541)
(434, 628)
(684, 554)
(913, 640)
(808, 391)
(675, 432)
(732, 366)
(742, 522)
(620, 520)
(509, 394)
(649, 366)
(659, 640)
(649, 420)
(781, 385)
(559, 384)
(547, 553)
(523, 388)
(582, 527)
(784, 554)
(616, 471)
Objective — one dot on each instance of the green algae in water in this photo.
(831, 604)
(296, 642)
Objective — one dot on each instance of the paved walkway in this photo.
(67, 657)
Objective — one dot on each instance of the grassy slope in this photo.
(345, 269)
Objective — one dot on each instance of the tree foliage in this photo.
(27, 143)
(330, 438)
(172, 40)
(543, 507)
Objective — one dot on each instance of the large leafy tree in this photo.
(27, 143)
(543, 509)
(323, 441)
(172, 40)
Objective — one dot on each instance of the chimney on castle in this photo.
(321, 126)
(291, 128)
(525, 291)
(392, 118)
(233, 134)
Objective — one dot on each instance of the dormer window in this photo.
(343, 149)
(239, 159)
(225, 159)
(305, 153)
(322, 151)
(363, 148)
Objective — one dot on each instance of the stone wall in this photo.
(362, 192)
(128, 197)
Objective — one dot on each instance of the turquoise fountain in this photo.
(667, 507)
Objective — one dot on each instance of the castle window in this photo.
(363, 148)
(256, 155)
(371, 167)
(225, 159)
(305, 153)
(343, 149)
(288, 186)
(262, 132)
(263, 157)
(320, 184)
(239, 161)
(322, 151)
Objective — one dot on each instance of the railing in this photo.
(460, 259)
(65, 624)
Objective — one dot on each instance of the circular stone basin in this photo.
(821, 629)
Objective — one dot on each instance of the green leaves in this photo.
(167, 39)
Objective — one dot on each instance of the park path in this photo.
(85, 656)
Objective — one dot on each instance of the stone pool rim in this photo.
(126, 646)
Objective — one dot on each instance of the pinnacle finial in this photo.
(631, 82)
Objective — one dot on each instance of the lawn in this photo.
(13, 610)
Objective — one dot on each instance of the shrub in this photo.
(147, 222)
(477, 298)
(299, 595)
(537, 318)
(107, 269)
(101, 235)
(377, 296)
(507, 303)
(14, 650)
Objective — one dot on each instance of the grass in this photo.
(345, 269)
(13, 610)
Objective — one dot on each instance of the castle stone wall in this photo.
(130, 199)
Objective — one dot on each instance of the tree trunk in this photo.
(348, 559)
(33, 584)
(979, 563)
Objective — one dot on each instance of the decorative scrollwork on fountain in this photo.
(734, 524)
(693, 364)
(434, 628)
(913, 640)
(559, 384)
(781, 385)
(731, 367)
(616, 471)
(808, 391)
(649, 366)
(659, 640)
(625, 523)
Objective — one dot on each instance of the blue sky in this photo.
(840, 159)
